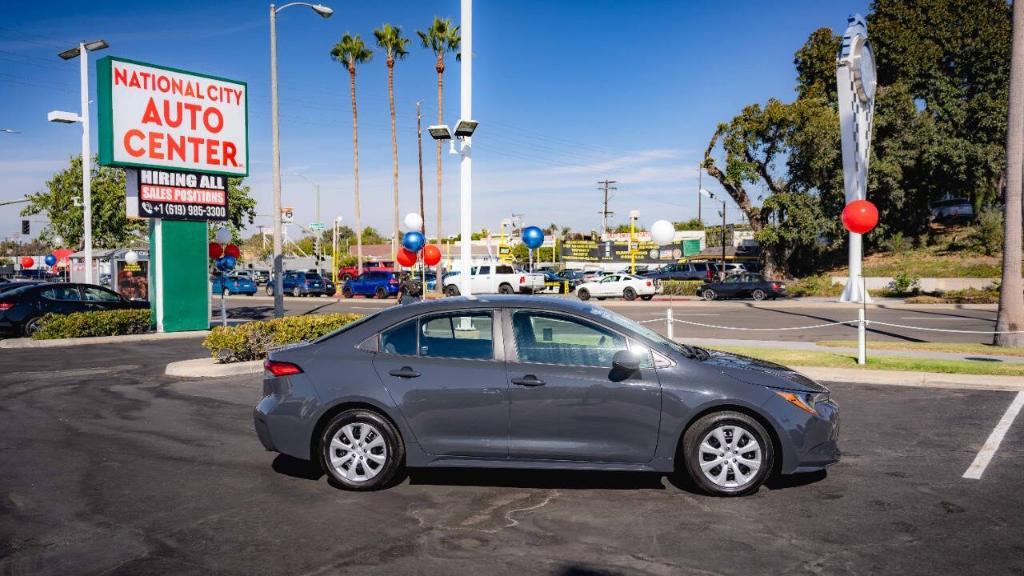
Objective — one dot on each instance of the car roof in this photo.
(458, 303)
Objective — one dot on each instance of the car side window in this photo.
(505, 270)
(93, 294)
(610, 279)
(469, 336)
(65, 293)
(549, 339)
(484, 270)
(700, 267)
(400, 339)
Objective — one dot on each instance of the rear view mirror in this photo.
(626, 361)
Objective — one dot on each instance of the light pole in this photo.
(324, 12)
(334, 252)
(703, 192)
(82, 52)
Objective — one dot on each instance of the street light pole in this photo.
(324, 12)
(86, 161)
(466, 164)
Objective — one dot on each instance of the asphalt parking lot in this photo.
(109, 467)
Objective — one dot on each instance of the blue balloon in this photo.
(229, 262)
(50, 259)
(533, 237)
(413, 241)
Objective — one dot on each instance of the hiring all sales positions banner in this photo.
(176, 195)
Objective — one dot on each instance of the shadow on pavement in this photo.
(853, 327)
(297, 468)
(250, 312)
(563, 479)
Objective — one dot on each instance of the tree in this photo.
(391, 40)
(111, 227)
(1011, 293)
(441, 38)
(351, 50)
(691, 224)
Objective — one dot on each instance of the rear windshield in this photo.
(312, 276)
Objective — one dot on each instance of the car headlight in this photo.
(805, 401)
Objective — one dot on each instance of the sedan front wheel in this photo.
(709, 295)
(728, 453)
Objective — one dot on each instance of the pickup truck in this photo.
(496, 279)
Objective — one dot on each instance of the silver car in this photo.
(521, 382)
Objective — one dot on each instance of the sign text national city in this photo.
(157, 117)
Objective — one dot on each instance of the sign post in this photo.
(180, 135)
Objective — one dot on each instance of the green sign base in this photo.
(179, 279)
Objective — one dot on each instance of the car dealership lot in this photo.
(111, 467)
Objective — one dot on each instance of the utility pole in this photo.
(605, 185)
(700, 186)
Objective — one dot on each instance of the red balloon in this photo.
(431, 255)
(27, 262)
(232, 250)
(406, 257)
(860, 216)
(215, 251)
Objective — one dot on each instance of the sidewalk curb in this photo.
(22, 343)
(914, 379)
(211, 368)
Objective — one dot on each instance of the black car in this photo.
(951, 211)
(21, 308)
(558, 283)
(743, 285)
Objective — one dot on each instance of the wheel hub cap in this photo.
(358, 452)
(730, 456)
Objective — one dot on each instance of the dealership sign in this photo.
(156, 117)
(176, 195)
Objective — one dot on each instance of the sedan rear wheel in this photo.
(758, 295)
(451, 290)
(629, 294)
(346, 292)
(380, 292)
(296, 292)
(361, 450)
(32, 326)
(728, 453)
(709, 294)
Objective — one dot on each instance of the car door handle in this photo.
(528, 380)
(405, 372)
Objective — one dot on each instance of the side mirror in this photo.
(626, 361)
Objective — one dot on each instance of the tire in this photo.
(270, 290)
(225, 292)
(296, 292)
(629, 294)
(710, 295)
(346, 277)
(758, 295)
(746, 443)
(451, 290)
(505, 289)
(647, 298)
(346, 292)
(380, 293)
(376, 467)
(32, 326)
(583, 294)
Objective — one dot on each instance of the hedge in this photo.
(88, 324)
(680, 287)
(252, 340)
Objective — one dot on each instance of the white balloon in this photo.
(131, 257)
(223, 236)
(413, 221)
(663, 232)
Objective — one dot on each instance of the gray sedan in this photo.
(527, 382)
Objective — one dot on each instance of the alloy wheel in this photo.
(759, 294)
(358, 452)
(730, 456)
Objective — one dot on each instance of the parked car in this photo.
(542, 383)
(951, 211)
(743, 285)
(347, 272)
(330, 288)
(683, 271)
(260, 277)
(41, 274)
(618, 286)
(431, 278)
(372, 285)
(496, 279)
(22, 307)
(557, 283)
(234, 284)
(300, 284)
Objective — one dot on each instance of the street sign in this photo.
(176, 195)
(156, 117)
(317, 226)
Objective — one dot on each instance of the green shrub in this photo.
(988, 295)
(904, 283)
(814, 286)
(251, 341)
(987, 234)
(88, 324)
(680, 287)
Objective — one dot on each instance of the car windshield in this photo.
(623, 322)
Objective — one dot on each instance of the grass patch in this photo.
(841, 360)
(954, 347)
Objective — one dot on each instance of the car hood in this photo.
(761, 372)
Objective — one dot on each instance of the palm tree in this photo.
(351, 50)
(1011, 296)
(390, 39)
(441, 38)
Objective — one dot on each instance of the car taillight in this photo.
(281, 368)
(393, 280)
(775, 285)
(649, 283)
(522, 279)
(6, 305)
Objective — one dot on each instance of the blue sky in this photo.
(567, 93)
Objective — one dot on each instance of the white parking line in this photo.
(988, 450)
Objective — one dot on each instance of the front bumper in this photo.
(810, 442)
